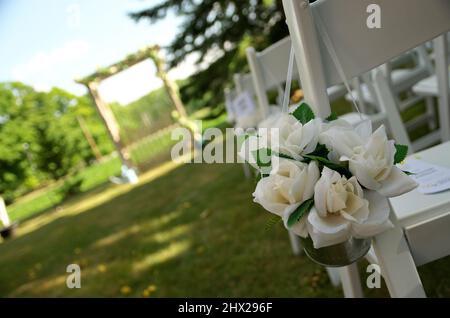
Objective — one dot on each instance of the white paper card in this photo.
(229, 108)
(431, 178)
(243, 105)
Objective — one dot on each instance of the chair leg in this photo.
(351, 282)
(431, 112)
(295, 243)
(397, 265)
(247, 172)
(388, 105)
(441, 53)
(334, 275)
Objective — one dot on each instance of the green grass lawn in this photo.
(184, 230)
(44, 199)
(145, 154)
(189, 230)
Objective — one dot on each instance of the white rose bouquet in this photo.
(328, 180)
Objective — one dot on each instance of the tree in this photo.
(16, 131)
(41, 138)
(223, 28)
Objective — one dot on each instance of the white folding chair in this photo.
(402, 81)
(244, 85)
(229, 94)
(423, 219)
(429, 87)
(268, 70)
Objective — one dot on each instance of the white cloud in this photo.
(46, 61)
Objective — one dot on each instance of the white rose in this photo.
(370, 157)
(342, 210)
(289, 184)
(294, 138)
(340, 138)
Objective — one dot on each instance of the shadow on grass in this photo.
(191, 232)
(70, 199)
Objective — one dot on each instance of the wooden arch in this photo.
(93, 81)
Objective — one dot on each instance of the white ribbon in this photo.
(287, 91)
(330, 48)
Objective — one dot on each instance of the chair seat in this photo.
(354, 118)
(414, 207)
(428, 86)
(336, 91)
(365, 93)
(402, 79)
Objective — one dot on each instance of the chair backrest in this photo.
(229, 97)
(405, 24)
(268, 70)
(244, 83)
(272, 61)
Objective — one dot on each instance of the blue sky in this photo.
(47, 43)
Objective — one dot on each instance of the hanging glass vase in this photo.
(338, 255)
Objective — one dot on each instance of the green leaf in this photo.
(400, 154)
(304, 208)
(260, 176)
(320, 151)
(282, 155)
(333, 116)
(408, 173)
(263, 157)
(272, 221)
(342, 169)
(304, 113)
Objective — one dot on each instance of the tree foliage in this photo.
(40, 136)
(144, 116)
(221, 28)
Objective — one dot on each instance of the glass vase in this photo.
(338, 255)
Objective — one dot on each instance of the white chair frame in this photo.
(268, 70)
(402, 80)
(245, 83)
(229, 94)
(361, 49)
(429, 86)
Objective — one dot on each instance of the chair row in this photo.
(390, 70)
